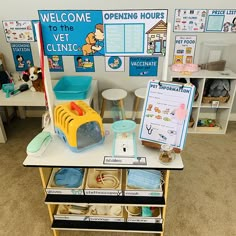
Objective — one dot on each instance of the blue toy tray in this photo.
(72, 87)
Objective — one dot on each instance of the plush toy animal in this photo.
(219, 88)
(34, 75)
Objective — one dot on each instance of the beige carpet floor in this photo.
(201, 200)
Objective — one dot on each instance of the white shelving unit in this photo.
(205, 110)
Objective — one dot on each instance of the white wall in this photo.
(28, 10)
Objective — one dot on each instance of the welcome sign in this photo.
(72, 32)
(99, 33)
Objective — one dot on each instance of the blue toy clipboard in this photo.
(160, 121)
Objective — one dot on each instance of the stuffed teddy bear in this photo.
(34, 76)
(219, 88)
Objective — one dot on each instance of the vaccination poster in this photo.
(143, 66)
(22, 56)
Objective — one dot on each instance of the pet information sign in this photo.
(72, 32)
(143, 66)
(135, 32)
(221, 21)
(22, 56)
(166, 113)
(184, 49)
(18, 30)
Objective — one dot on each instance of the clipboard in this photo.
(160, 122)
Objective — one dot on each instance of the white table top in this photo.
(58, 154)
(26, 98)
(29, 98)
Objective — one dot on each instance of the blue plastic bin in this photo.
(72, 87)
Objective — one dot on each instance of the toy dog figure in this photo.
(34, 75)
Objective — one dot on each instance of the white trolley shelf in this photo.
(57, 155)
(202, 109)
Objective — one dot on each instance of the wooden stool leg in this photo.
(136, 105)
(103, 107)
(121, 105)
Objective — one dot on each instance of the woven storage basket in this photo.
(220, 99)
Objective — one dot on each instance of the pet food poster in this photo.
(22, 56)
(18, 31)
(135, 32)
(72, 32)
(190, 20)
(55, 63)
(84, 64)
(114, 63)
(166, 113)
(143, 66)
(184, 49)
(221, 21)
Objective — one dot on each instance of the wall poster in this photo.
(82, 32)
(22, 56)
(72, 32)
(184, 49)
(221, 21)
(166, 113)
(143, 66)
(135, 32)
(18, 31)
(114, 63)
(84, 63)
(55, 63)
(190, 20)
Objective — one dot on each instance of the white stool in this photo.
(113, 95)
(139, 94)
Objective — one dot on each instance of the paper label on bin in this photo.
(144, 220)
(143, 193)
(107, 219)
(65, 191)
(71, 217)
(140, 161)
(103, 192)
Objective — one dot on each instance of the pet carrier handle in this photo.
(74, 106)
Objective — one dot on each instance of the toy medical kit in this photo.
(22, 88)
(78, 125)
(39, 144)
(69, 177)
(8, 89)
(124, 142)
